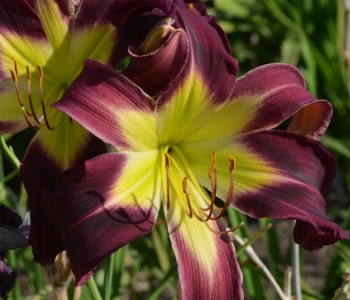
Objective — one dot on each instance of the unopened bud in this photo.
(157, 36)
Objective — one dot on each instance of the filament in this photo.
(25, 113)
(167, 167)
(41, 80)
(29, 81)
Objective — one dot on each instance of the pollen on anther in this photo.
(15, 65)
(232, 164)
(14, 76)
(190, 6)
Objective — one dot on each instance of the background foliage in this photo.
(310, 34)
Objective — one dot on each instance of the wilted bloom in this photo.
(43, 44)
(11, 237)
(204, 133)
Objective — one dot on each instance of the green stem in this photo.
(162, 254)
(154, 294)
(119, 271)
(10, 176)
(296, 269)
(95, 293)
(108, 277)
(11, 157)
(16, 291)
(252, 239)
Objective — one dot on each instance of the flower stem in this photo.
(296, 269)
(108, 277)
(95, 293)
(16, 291)
(252, 239)
(8, 153)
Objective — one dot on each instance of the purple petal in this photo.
(101, 97)
(66, 7)
(208, 43)
(278, 175)
(11, 237)
(207, 263)
(169, 59)
(39, 171)
(18, 18)
(8, 216)
(304, 167)
(282, 93)
(93, 220)
(92, 12)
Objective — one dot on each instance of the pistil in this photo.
(167, 166)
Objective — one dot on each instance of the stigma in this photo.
(194, 195)
(31, 117)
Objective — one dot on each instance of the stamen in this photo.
(232, 168)
(25, 113)
(190, 6)
(41, 80)
(167, 167)
(184, 188)
(213, 178)
(29, 81)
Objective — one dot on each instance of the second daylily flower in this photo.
(43, 44)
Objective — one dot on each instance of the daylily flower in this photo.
(11, 237)
(43, 44)
(203, 133)
(171, 151)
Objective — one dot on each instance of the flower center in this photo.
(193, 195)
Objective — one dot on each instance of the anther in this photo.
(15, 65)
(184, 188)
(29, 81)
(167, 167)
(232, 164)
(14, 76)
(190, 6)
(25, 113)
(41, 79)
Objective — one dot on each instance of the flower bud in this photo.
(157, 36)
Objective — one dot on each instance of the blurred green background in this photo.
(310, 34)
